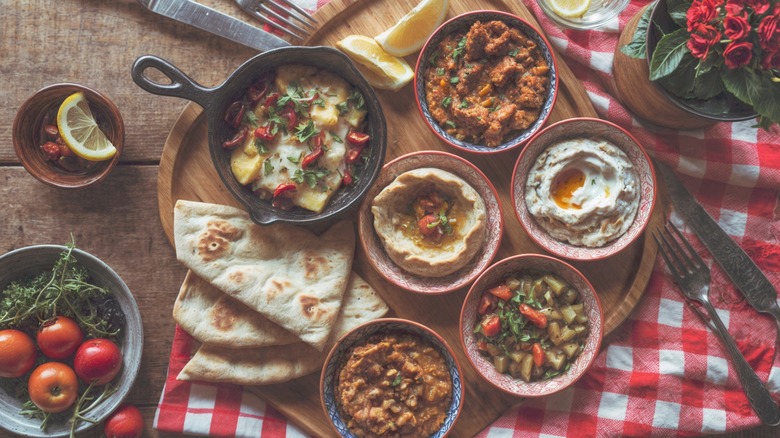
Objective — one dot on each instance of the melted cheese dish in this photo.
(300, 126)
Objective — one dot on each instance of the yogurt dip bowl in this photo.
(583, 189)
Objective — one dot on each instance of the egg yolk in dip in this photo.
(583, 191)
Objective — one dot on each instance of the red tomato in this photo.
(502, 291)
(538, 354)
(98, 360)
(59, 339)
(53, 387)
(426, 225)
(125, 422)
(491, 325)
(17, 353)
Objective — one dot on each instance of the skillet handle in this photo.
(181, 85)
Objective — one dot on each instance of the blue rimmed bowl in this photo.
(461, 24)
(340, 353)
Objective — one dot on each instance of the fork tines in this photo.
(288, 13)
(670, 248)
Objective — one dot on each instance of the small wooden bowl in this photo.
(28, 135)
(469, 317)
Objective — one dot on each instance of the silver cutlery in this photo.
(745, 275)
(292, 15)
(693, 276)
(213, 21)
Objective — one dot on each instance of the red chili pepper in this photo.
(237, 139)
(52, 150)
(283, 189)
(235, 114)
(538, 354)
(264, 133)
(291, 119)
(347, 178)
(486, 304)
(271, 99)
(52, 131)
(312, 157)
(536, 317)
(353, 155)
(491, 325)
(424, 225)
(358, 138)
(502, 291)
(257, 91)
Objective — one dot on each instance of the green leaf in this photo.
(690, 83)
(637, 48)
(678, 10)
(668, 54)
(754, 89)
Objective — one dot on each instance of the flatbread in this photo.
(212, 317)
(288, 274)
(280, 363)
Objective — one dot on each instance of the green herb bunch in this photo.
(717, 47)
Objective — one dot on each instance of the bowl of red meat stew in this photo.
(486, 81)
(391, 377)
(296, 134)
(531, 325)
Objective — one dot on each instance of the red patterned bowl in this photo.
(591, 128)
(537, 263)
(375, 251)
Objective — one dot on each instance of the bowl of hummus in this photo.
(431, 223)
(583, 189)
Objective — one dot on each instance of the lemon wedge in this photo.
(386, 71)
(410, 33)
(80, 131)
(570, 8)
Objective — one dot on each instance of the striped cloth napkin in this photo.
(662, 372)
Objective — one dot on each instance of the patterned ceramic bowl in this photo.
(31, 260)
(595, 129)
(543, 264)
(462, 23)
(340, 352)
(382, 262)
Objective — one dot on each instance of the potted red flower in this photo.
(716, 58)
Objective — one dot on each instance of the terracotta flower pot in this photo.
(651, 101)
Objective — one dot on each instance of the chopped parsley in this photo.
(250, 118)
(446, 102)
(261, 147)
(297, 96)
(294, 160)
(398, 379)
(459, 50)
(464, 104)
(450, 123)
(514, 52)
(440, 71)
(357, 99)
(454, 80)
(311, 177)
(268, 168)
(336, 138)
(305, 131)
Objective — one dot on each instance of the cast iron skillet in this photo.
(215, 102)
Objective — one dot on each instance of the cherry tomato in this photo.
(17, 353)
(98, 360)
(59, 338)
(125, 422)
(426, 225)
(53, 387)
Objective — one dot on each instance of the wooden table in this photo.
(94, 42)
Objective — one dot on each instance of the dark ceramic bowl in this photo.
(28, 135)
(340, 352)
(461, 24)
(215, 101)
(469, 318)
(35, 259)
(723, 107)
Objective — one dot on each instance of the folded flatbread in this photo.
(280, 363)
(214, 318)
(288, 274)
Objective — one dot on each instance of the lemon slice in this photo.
(387, 71)
(410, 33)
(570, 8)
(80, 131)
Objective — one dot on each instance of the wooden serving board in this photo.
(186, 172)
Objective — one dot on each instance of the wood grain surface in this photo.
(94, 42)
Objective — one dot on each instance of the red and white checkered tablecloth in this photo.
(662, 372)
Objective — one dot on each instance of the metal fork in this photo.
(692, 275)
(264, 9)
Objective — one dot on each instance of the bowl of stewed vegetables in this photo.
(531, 325)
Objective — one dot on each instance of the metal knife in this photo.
(216, 22)
(745, 275)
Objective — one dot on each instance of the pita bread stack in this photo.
(265, 301)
